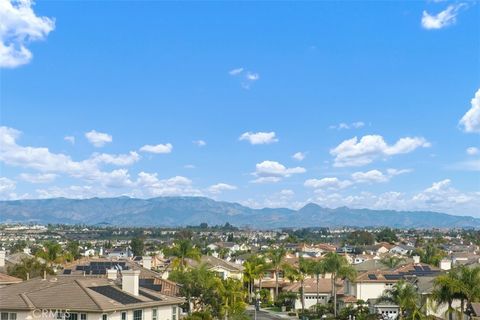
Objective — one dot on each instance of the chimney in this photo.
(2, 258)
(147, 262)
(130, 281)
(416, 259)
(112, 274)
(446, 264)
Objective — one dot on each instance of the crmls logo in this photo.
(51, 314)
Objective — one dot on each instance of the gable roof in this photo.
(77, 294)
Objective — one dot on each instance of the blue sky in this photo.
(378, 101)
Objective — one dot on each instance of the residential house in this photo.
(86, 298)
(310, 291)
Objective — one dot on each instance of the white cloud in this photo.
(189, 166)
(199, 143)
(19, 25)
(441, 197)
(45, 161)
(471, 120)
(38, 178)
(442, 19)
(98, 139)
(251, 76)
(70, 139)
(235, 71)
(372, 176)
(6, 185)
(159, 148)
(299, 156)
(148, 185)
(116, 159)
(376, 176)
(354, 152)
(332, 183)
(259, 137)
(471, 151)
(344, 126)
(273, 171)
(220, 187)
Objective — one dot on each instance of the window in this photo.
(124, 315)
(154, 314)
(71, 316)
(83, 316)
(8, 316)
(104, 317)
(137, 315)
(174, 313)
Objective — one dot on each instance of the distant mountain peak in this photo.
(192, 210)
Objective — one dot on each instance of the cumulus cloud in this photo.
(259, 137)
(38, 177)
(45, 161)
(19, 25)
(220, 187)
(70, 139)
(355, 152)
(273, 171)
(6, 186)
(299, 156)
(471, 120)
(442, 19)
(471, 151)
(375, 176)
(344, 126)
(158, 148)
(440, 196)
(148, 184)
(332, 183)
(372, 176)
(98, 139)
(116, 159)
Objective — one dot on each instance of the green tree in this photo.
(391, 261)
(339, 267)
(51, 251)
(254, 268)
(138, 246)
(276, 257)
(317, 268)
(387, 235)
(405, 296)
(182, 250)
(360, 238)
(29, 268)
(73, 248)
(470, 285)
(447, 287)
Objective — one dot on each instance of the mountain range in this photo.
(182, 211)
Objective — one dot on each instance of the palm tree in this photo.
(233, 296)
(276, 257)
(317, 268)
(338, 266)
(470, 285)
(391, 261)
(184, 249)
(299, 274)
(447, 288)
(405, 296)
